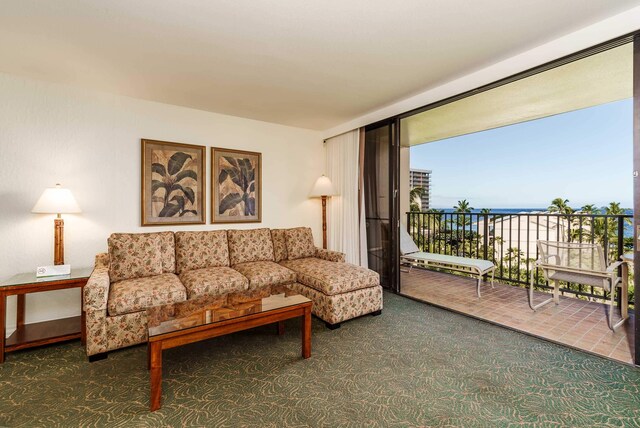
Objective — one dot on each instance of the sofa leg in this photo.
(376, 313)
(332, 326)
(98, 357)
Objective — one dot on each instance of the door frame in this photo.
(393, 125)
(636, 190)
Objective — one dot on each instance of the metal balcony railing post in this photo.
(485, 236)
(620, 252)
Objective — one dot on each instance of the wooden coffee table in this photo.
(195, 320)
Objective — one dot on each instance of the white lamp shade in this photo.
(56, 200)
(323, 187)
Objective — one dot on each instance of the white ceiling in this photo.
(311, 64)
(595, 80)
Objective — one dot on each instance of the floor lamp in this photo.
(57, 200)
(323, 189)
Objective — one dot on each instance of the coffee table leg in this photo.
(280, 328)
(306, 333)
(155, 355)
(3, 320)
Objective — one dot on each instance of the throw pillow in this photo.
(300, 243)
(252, 245)
(134, 255)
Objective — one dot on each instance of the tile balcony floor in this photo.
(576, 323)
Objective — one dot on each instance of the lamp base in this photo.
(58, 242)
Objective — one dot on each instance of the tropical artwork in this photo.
(236, 186)
(173, 177)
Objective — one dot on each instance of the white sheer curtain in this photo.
(342, 167)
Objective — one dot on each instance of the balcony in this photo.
(509, 240)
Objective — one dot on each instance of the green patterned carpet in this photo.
(413, 366)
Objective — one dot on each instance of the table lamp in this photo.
(57, 200)
(323, 189)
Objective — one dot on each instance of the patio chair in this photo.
(579, 263)
(410, 254)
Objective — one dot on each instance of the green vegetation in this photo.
(462, 233)
(415, 195)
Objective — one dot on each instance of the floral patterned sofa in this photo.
(147, 269)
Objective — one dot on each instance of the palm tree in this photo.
(485, 211)
(415, 195)
(559, 205)
(585, 226)
(462, 207)
(612, 226)
(614, 209)
(599, 229)
(590, 209)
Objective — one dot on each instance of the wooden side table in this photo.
(41, 333)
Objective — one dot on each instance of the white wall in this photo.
(90, 142)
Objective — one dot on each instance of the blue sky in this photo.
(584, 156)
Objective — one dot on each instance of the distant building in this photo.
(421, 178)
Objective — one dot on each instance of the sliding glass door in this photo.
(381, 157)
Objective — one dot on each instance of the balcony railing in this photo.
(509, 240)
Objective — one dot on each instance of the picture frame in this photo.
(236, 186)
(173, 183)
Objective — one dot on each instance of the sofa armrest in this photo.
(102, 260)
(331, 256)
(96, 292)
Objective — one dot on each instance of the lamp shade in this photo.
(323, 187)
(56, 200)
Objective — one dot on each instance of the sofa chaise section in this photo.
(340, 291)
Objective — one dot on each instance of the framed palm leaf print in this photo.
(236, 186)
(173, 183)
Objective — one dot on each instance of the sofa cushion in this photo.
(279, 245)
(251, 245)
(133, 295)
(134, 255)
(332, 278)
(265, 273)
(197, 250)
(213, 281)
(299, 243)
(168, 251)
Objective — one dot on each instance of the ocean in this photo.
(513, 210)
